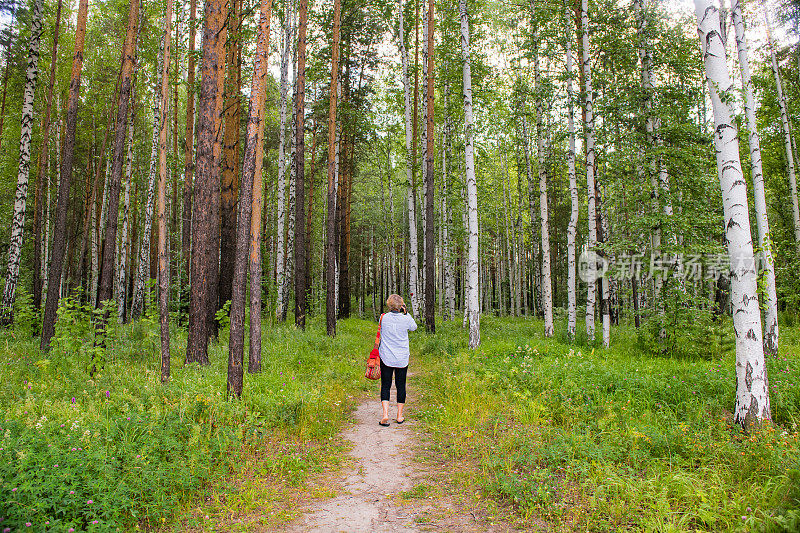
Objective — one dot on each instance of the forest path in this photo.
(385, 489)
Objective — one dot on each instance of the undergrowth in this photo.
(618, 439)
(118, 450)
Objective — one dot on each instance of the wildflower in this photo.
(14, 489)
(73, 399)
(7, 530)
(90, 502)
(71, 530)
(108, 394)
(72, 492)
(28, 524)
(95, 521)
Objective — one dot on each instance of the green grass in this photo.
(616, 439)
(120, 451)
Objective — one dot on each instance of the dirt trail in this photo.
(382, 470)
(371, 494)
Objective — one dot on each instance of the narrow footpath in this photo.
(385, 489)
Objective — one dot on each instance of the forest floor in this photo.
(389, 485)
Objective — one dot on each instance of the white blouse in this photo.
(394, 338)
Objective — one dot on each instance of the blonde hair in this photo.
(395, 302)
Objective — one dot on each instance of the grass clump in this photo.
(619, 439)
(118, 450)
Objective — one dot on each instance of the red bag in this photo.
(374, 361)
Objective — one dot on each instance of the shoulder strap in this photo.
(378, 335)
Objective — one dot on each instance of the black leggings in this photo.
(399, 381)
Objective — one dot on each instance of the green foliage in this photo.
(118, 449)
(619, 439)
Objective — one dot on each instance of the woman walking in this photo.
(394, 353)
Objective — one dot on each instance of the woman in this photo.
(394, 353)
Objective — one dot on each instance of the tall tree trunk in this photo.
(430, 243)
(7, 67)
(163, 258)
(230, 158)
(330, 227)
(143, 267)
(759, 196)
(280, 262)
(249, 219)
(473, 305)
(787, 136)
(752, 385)
(410, 162)
(106, 285)
(205, 209)
(572, 299)
(62, 205)
(39, 259)
(447, 252)
(188, 145)
(547, 287)
(120, 293)
(21, 197)
(591, 242)
(300, 274)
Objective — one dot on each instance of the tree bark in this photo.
(473, 305)
(430, 243)
(572, 299)
(120, 293)
(410, 162)
(68, 157)
(106, 284)
(40, 259)
(752, 385)
(300, 274)
(163, 258)
(280, 261)
(590, 184)
(23, 169)
(143, 267)
(206, 201)
(787, 136)
(188, 145)
(230, 158)
(759, 196)
(330, 228)
(249, 219)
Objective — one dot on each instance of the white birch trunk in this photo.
(290, 215)
(26, 132)
(123, 250)
(759, 196)
(572, 230)
(591, 242)
(787, 136)
(280, 261)
(472, 186)
(752, 389)
(447, 255)
(413, 267)
(547, 287)
(143, 267)
(424, 152)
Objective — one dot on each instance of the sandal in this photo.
(384, 424)
(400, 421)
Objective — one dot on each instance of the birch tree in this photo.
(473, 305)
(120, 293)
(572, 229)
(412, 222)
(143, 265)
(280, 261)
(330, 227)
(591, 241)
(787, 135)
(759, 196)
(62, 202)
(40, 258)
(430, 260)
(23, 169)
(752, 389)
